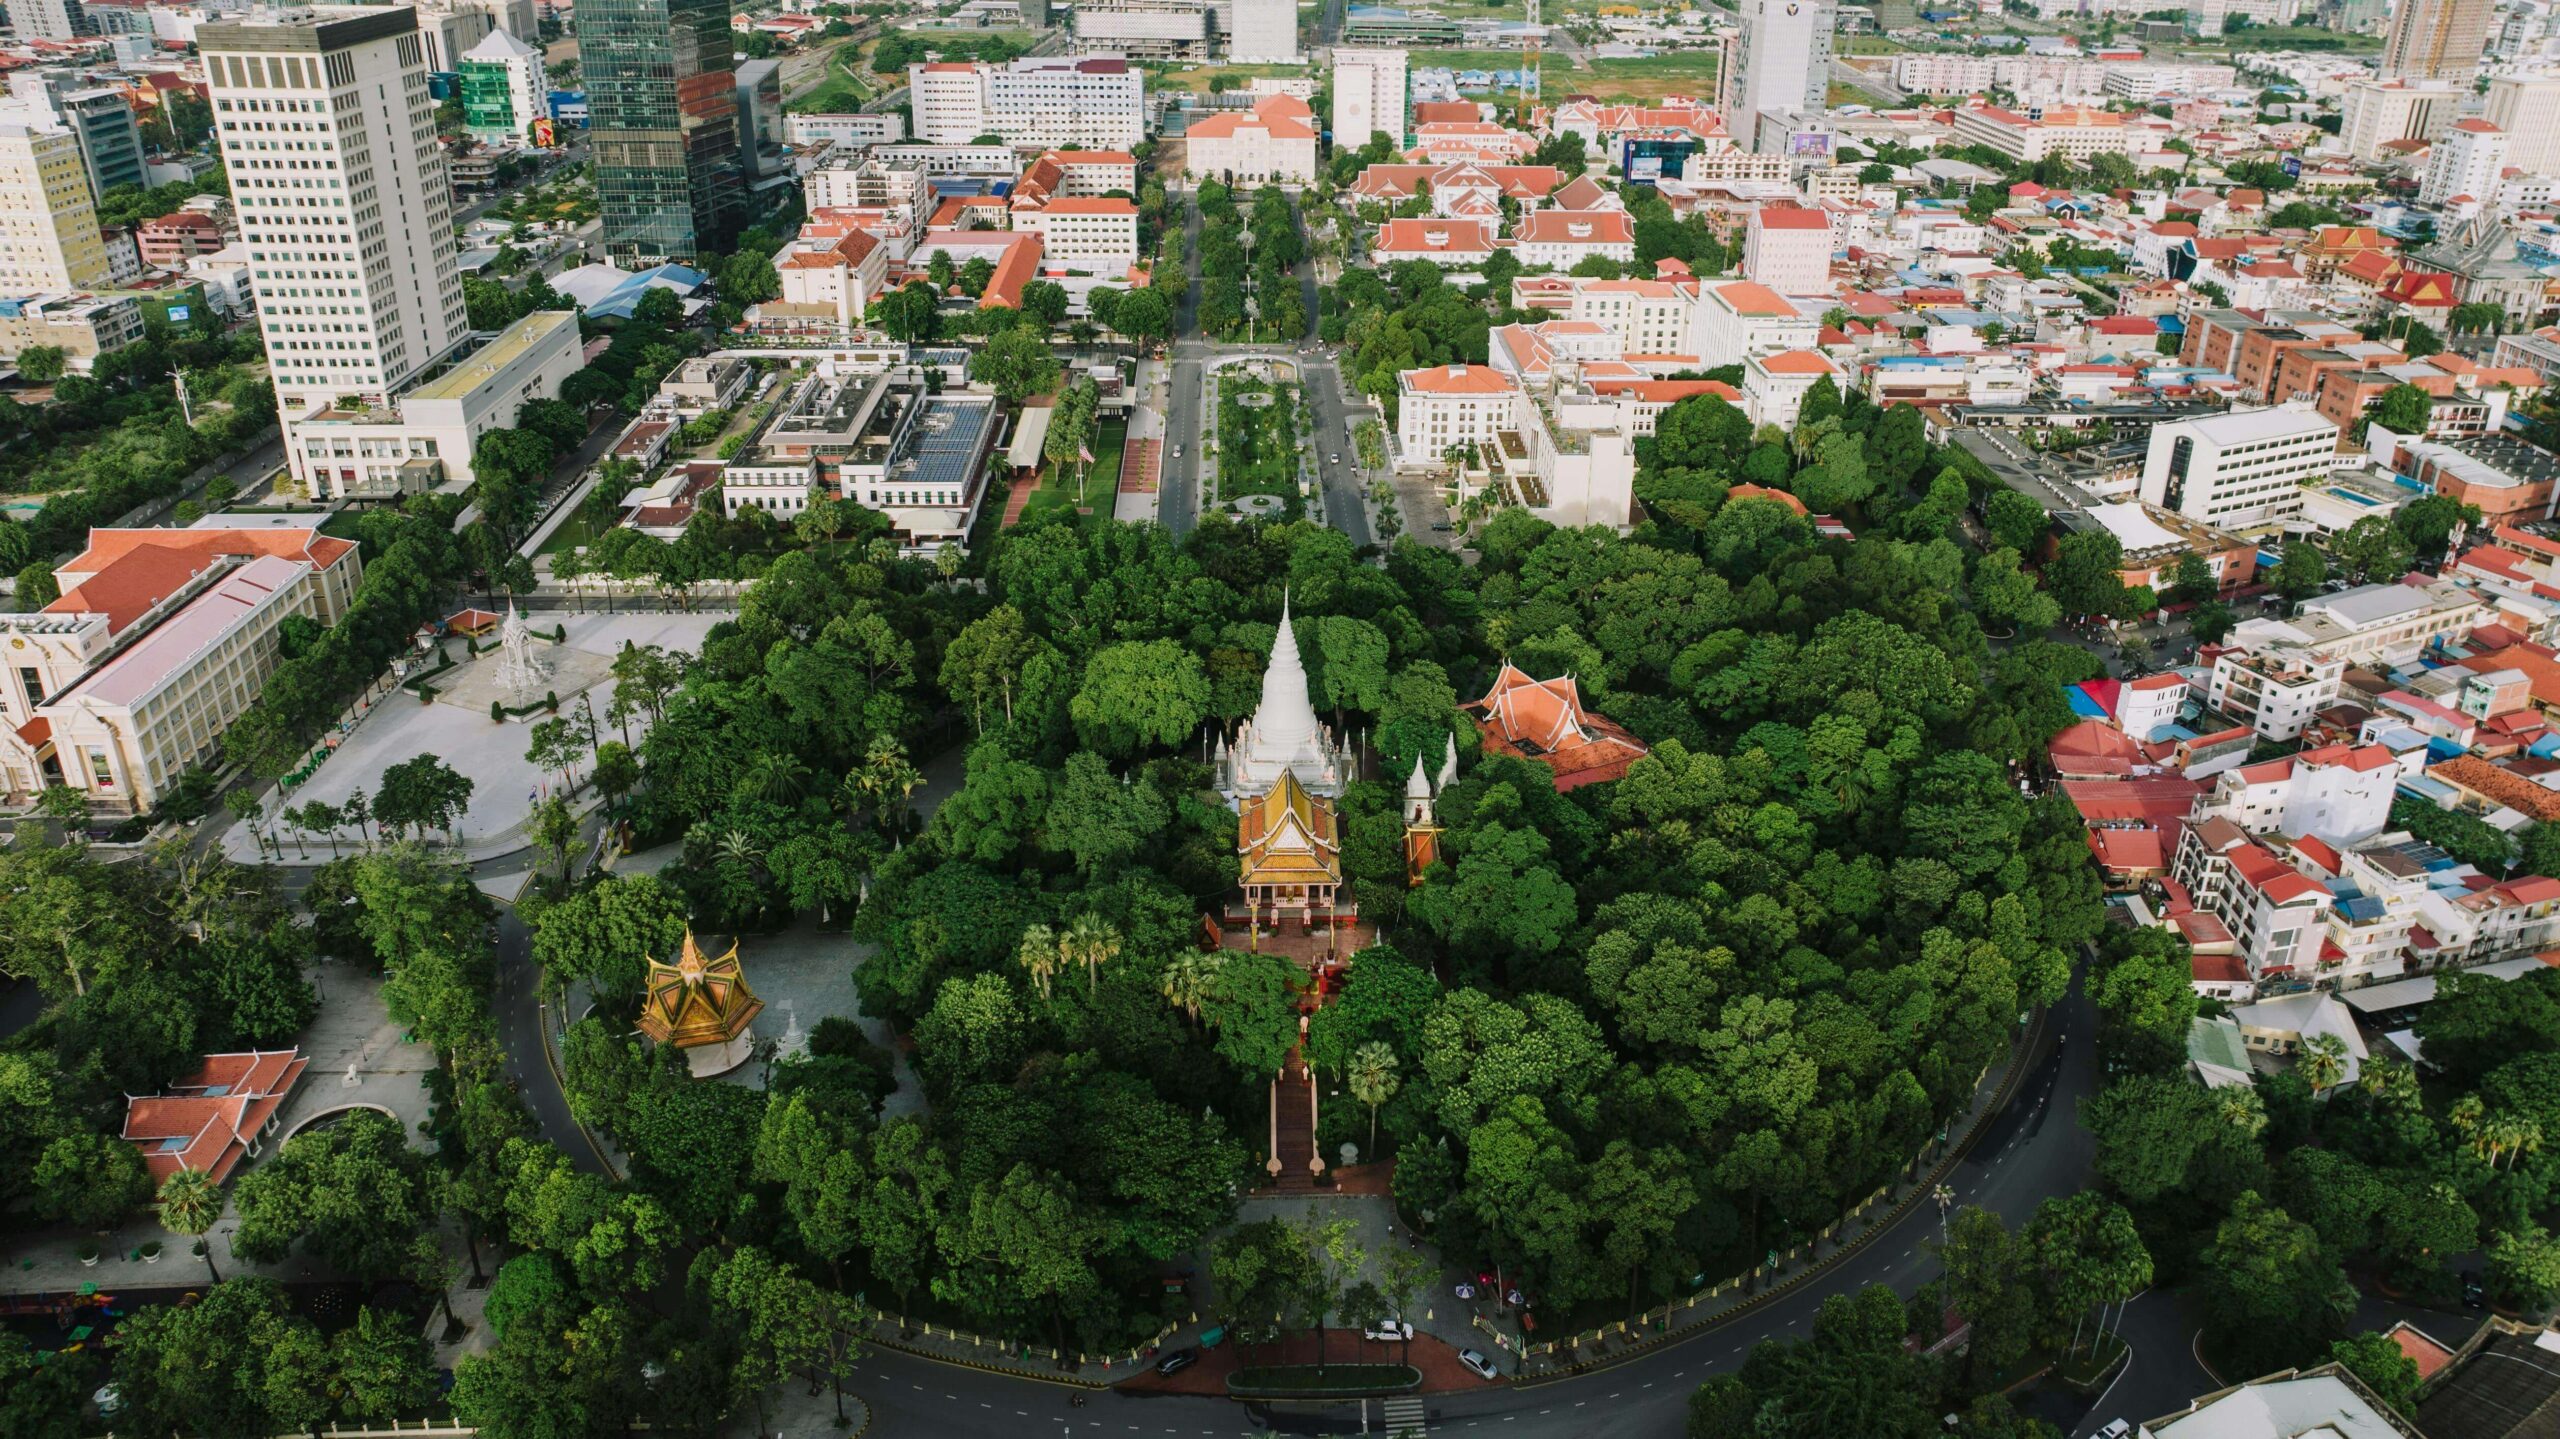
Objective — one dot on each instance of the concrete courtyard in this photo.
(456, 728)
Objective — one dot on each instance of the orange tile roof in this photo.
(1458, 380)
(2500, 786)
(1789, 217)
(1544, 720)
(1747, 297)
(1288, 836)
(209, 1120)
(1795, 362)
(1451, 237)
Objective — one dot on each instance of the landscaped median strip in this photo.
(1999, 1101)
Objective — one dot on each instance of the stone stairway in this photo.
(1293, 1126)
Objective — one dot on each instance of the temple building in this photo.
(1284, 735)
(1291, 847)
(1544, 720)
(703, 1007)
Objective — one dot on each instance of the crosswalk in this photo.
(1406, 1419)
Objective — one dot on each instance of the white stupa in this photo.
(1284, 734)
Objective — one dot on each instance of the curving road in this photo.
(2032, 1151)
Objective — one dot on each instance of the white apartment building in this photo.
(1274, 143)
(1265, 32)
(1653, 317)
(2384, 625)
(2377, 112)
(329, 137)
(1788, 249)
(2073, 131)
(423, 440)
(984, 162)
(1785, 66)
(2275, 911)
(2338, 794)
(1146, 29)
(1095, 102)
(857, 130)
(2527, 109)
(1740, 318)
(48, 221)
(1774, 386)
(835, 276)
(1089, 234)
(2466, 163)
(1447, 405)
(2242, 470)
(849, 182)
(1369, 96)
(2271, 685)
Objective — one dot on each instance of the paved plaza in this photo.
(456, 728)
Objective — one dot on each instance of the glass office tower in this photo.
(663, 124)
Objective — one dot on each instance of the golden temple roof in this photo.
(697, 1000)
(1287, 836)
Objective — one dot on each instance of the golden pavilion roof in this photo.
(697, 1000)
(1287, 836)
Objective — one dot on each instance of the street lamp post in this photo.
(1946, 1197)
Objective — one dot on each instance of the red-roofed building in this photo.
(220, 1115)
(1544, 720)
(1461, 243)
(1274, 143)
(2133, 824)
(1788, 249)
(169, 242)
(1561, 239)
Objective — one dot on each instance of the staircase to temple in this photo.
(1293, 1101)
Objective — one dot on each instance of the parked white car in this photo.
(1474, 1360)
(1389, 1331)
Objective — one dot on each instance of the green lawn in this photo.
(1682, 72)
(838, 94)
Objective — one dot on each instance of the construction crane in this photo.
(1529, 78)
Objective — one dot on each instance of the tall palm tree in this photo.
(2324, 1062)
(1092, 942)
(1042, 954)
(2242, 1109)
(190, 1201)
(778, 778)
(1372, 1077)
(2525, 1137)
(1186, 981)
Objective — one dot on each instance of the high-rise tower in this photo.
(2436, 40)
(662, 105)
(329, 136)
(1785, 64)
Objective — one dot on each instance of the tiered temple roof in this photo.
(697, 1001)
(1288, 837)
(1544, 720)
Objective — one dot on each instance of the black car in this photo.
(1177, 1361)
(2475, 1295)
